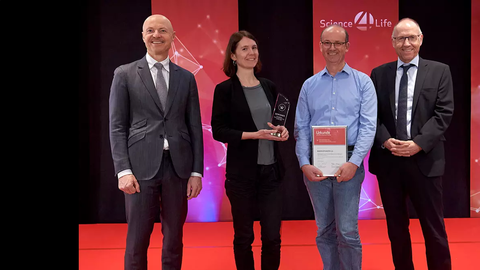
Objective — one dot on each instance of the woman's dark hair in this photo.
(228, 68)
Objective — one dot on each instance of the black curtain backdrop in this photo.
(111, 36)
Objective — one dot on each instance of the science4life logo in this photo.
(363, 21)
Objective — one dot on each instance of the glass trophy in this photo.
(280, 112)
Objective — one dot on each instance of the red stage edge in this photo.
(208, 246)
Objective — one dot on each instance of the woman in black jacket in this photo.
(242, 109)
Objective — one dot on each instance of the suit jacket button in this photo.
(161, 136)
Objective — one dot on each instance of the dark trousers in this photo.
(164, 195)
(406, 180)
(246, 197)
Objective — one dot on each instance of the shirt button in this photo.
(333, 108)
(332, 123)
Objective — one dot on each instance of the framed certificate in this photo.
(329, 148)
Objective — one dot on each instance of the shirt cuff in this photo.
(196, 174)
(128, 171)
(124, 172)
(304, 161)
(356, 160)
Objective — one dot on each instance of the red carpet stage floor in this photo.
(208, 246)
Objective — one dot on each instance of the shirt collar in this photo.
(347, 69)
(151, 62)
(414, 62)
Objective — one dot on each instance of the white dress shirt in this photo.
(166, 74)
(412, 77)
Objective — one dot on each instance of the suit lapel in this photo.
(174, 81)
(144, 73)
(391, 74)
(421, 75)
(270, 97)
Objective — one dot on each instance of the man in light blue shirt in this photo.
(337, 95)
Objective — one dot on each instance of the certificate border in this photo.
(313, 139)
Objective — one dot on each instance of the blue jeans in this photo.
(336, 215)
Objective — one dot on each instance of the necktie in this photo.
(402, 105)
(160, 85)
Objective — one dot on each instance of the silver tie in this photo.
(161, 86)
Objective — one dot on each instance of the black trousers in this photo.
(246, 198)
(406, 180)
(164, 195)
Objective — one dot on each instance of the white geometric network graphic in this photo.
(178, 57)
(366, 201)
(472, 208)
(185, 59)
(223, 161)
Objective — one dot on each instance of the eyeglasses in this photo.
(328, 44)
(412, 39)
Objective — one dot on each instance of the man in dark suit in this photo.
(415, 107)
(157, 145)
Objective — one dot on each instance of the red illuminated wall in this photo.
(203, 29)
(475, 125)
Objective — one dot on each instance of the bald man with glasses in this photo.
(415, 108)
